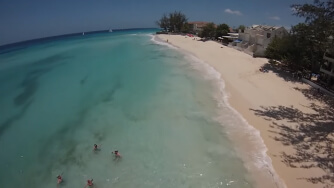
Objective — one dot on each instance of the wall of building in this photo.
(261, 38)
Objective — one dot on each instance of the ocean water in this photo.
(123, 91)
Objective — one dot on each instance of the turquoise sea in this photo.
(123, 91)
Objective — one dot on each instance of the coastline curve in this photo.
(254, 155)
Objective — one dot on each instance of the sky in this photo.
(30, 19)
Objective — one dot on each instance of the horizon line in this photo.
(3, 46)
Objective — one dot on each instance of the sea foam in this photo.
(256, 160)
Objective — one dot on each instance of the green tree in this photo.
(163, 22)
(241, 28)
(308, 41)
(208, 31)
(290, 50)
(318, 27)
(274, 49)
(222, 30)
(185, 28)
(177, 20)
(173, 22)
(305, 42)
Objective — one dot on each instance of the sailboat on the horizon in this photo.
(110, 30)
(83, 33)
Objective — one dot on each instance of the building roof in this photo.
(264, 27)
(199, 23)
(228, 37)
(233, 34)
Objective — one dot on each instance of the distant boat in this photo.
(110, 30)
(83, 33)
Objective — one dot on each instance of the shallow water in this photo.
(124, 92)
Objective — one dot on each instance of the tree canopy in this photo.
(185, 28)
(208, 31)
(174, 21)
(242, 28)
(291, 51)
(319, 22)
(308, 41)
(222, 30)
(163, 22)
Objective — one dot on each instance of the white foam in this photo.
(155, 40)
(259, 158)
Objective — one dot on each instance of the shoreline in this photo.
(251, 92)
(241, 132)
(246, 140)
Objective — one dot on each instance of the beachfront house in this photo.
(257, 37)
(196, 27)
(327, 69)
(230, 38)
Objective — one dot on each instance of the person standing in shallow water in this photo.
(116, 154)
(59, 179)
(96, 147)
(89, 183)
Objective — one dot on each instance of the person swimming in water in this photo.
(59, 179)
(96, 147)
(89, 183)
(116, 154)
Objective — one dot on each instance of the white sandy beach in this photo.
(278, 108)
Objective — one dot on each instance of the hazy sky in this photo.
(29, 19)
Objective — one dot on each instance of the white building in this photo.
(257, 38)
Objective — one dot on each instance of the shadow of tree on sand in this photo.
(282, 72)
(310, 134)
(314, 94)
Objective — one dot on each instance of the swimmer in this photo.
(89, 183)
(96, 147)
(59, 179)
(117, 154)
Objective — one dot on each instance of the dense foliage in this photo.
(241, 28)
(208, 31)
(308, 41)
(178, 22)
(293, 50)
(222, 30)
(185, 28)
(173, 22)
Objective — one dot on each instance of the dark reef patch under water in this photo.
(10, 121)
